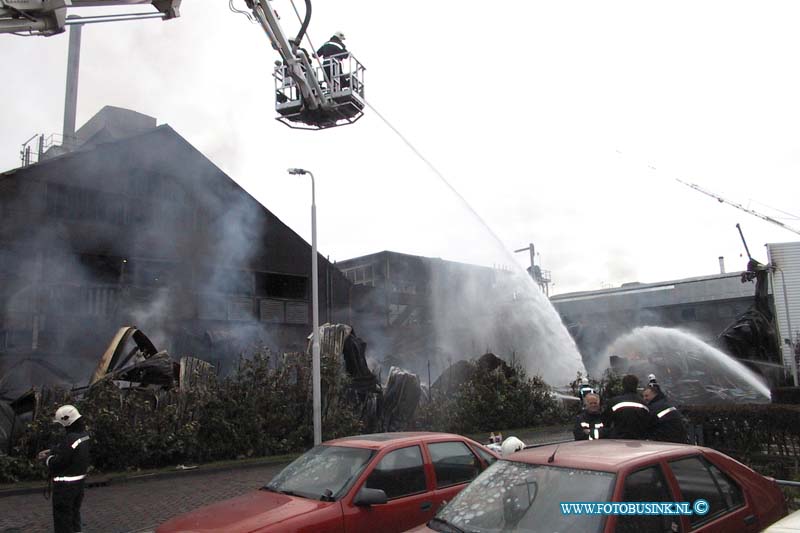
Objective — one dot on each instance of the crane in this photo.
(306, 96)
(738, 206)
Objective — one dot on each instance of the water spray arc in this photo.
(558, 350)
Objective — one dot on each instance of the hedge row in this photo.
(264, 409)
(763, 436)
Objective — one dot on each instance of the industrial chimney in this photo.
(721, 265)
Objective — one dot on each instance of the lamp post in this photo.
(315, 358)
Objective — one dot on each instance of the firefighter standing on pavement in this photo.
(666, 423)
(627, 415)
(589, 424)
(67, 464)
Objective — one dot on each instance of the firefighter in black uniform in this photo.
(333, 65)
(585, 388)
(627, 415)
(666, 423)
(589, 424)
(67, 464)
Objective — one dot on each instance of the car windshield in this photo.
(322, 473)
(512, 496)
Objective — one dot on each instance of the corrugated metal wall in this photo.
(786, 257)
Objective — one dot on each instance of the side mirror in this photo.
(367, 497)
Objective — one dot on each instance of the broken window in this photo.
(281, 286)
(84, 269)
(361, 275)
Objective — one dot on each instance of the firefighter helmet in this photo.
(66, 415)
(339, 35)
(511, 445)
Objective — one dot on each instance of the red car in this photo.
(541, 489)
(383, 482)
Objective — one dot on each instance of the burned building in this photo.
(134, 226)
(425, 313)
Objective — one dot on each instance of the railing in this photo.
(33, 149)
(341, 81)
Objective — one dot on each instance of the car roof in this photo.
(607, 455)
(376, 441)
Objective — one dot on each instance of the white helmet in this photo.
(339, 35)
(651, 378)
(511, 445)
(66, 415)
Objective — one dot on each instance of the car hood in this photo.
(246, 513)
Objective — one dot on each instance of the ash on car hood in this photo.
(246, 513)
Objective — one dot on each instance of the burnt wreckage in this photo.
(753, 337)
(387, 407)
(132, 361)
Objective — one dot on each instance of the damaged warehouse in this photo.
(135, 226)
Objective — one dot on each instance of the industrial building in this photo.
(785, 284)
(704, 306)
(417, 311)
(134, 226)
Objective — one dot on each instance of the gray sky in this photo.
(545, 116)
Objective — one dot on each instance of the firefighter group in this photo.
(631, 415)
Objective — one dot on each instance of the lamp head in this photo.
(296, 171)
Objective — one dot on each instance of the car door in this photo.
(454, 466)
(401, 474)
(647, 484)
(727, 508)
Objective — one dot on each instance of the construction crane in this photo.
(720, 199)
(306, 96)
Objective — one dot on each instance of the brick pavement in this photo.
(135, 505)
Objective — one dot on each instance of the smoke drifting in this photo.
(141, 231)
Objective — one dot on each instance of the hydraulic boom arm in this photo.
(49, 17)
(298, 64)
(739, 206)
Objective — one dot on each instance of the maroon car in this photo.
(384, 482)
(550, 488)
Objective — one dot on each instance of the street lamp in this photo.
(315, 359)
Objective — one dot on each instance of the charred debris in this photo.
(133, 364)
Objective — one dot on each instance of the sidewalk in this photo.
(129, 507)
(105, 479)
(527, 435)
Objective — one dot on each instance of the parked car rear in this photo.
(544, 490)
